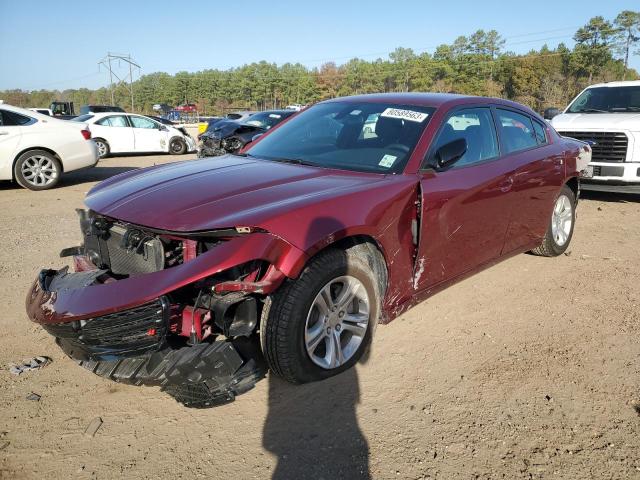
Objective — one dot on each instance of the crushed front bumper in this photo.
(119, 329)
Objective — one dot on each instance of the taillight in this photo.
(86, 134)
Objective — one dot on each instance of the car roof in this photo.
(435, 100)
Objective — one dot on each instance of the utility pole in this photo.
(106, 62)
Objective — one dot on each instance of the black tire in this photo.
(177, 146)
(103, 147)
(550, 246)
(25, 168)
(282, 327)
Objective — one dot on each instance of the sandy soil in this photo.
(528, 370)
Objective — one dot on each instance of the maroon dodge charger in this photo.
(199, 276)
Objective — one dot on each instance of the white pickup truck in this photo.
(607, 116)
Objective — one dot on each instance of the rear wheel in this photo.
(560, 229)
(103, 147)
(37, 170)
(321, 324)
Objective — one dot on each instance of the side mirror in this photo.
(450, 153)
(549, 113)
(163, 128)
(255, 137)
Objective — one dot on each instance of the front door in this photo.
(465, 208)
(147, 135)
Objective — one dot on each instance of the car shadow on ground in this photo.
(610, 197)
(313, 429)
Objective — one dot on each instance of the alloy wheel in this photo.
(39, 170)
(102, 148)
(562, 220)
(337, 322)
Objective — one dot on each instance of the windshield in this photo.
(82, 118)
(607, 99)
(267, 120)
(365, 137)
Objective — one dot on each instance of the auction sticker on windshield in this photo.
(410, 115)
(387, 161)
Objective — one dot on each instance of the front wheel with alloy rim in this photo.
(37, 170)
(178, 146)
(321, 323)
(560, 229)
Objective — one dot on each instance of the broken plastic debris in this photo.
(33, 364)
(34, 396)
(93, 427)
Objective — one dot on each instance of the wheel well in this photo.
(572, 183)
(45, 149)
(369, 247)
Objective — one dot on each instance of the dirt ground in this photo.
(528, 370)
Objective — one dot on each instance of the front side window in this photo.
(476, 126)
(13, 119)
(141, 122)
(517, 131)
(330, 135)
(113, 121)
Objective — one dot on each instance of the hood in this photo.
(597, 121)
(220, 192)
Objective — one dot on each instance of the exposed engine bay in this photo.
(198, 342)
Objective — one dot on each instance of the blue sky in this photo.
(57, 44)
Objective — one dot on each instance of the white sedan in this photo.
(128, 133)
(35, 149)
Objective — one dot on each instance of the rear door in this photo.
(147, 135)
(465, 208)
(115, 129)
(10, 134)
(539, 173)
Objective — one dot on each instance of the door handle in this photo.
(506, 185)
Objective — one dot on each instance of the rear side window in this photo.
(517, 131)
(476, 126)
(12, 119)
(114, 121)
(541, 134)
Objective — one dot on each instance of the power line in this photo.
(106, 62)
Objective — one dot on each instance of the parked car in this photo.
(231, 136)
(607, 116)
(237, 116)
(86, 109)
(187, 108)
(192, 274)
(36, 149)
(130, 133)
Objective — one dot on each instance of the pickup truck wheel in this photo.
(37, 170)
(560, 229)
(103, 147)
(177, 146)
(321, 324)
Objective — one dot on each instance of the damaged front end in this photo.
(172, 309)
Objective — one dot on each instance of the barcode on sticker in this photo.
(410, 115)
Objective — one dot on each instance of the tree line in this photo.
(477, 64)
